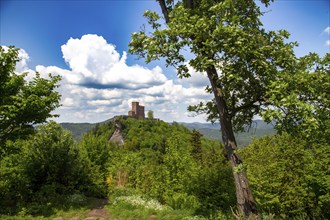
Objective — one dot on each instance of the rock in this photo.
(116, 137)
(59, 218)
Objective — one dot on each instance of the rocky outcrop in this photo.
(116, 137)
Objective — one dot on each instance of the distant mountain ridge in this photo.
(212, 131)
(78, 129)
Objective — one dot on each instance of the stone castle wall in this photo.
(137, 111)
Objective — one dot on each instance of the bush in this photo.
(289, 176)
(48, 164)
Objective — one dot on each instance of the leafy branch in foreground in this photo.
(23, 104)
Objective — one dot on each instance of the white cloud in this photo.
(327, 31)
(69, 102)
(21, 65)
(101, 102)
(196, 79)
(100, 85)
(95, 63)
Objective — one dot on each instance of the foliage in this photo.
(251, 71)
(289, 176)
(213, 185)
(135, 206)
(66, 206)
(23, 104)
(228, 36)
(179, 169)
(301, 103)
(78, 129)
(156, 161)
(150, 114)
(196, 143)
(96, 147)
(48, 165)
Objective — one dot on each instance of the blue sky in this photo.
(100, 32)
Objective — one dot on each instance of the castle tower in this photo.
(135, 106)
(137, 111)
(140, 112)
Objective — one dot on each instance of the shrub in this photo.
(48, 164)
(289, 176)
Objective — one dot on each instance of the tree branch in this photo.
(164, 10)
(247, 105)
(189, 3)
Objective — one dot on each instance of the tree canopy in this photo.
(227, 36)
(301, 99)
(23, 103)
(247, 67)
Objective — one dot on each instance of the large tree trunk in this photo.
(245, 200)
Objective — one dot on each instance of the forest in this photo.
(173, 172)
(166, 171)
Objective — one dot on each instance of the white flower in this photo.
(139, 201)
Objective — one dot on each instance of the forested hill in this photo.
(78, 129)
(173, 173)
(259, 128)
(162, 161)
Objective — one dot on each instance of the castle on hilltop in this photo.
(137, 111)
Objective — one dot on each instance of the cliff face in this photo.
(116, 137)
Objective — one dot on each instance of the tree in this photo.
(196, 143)
(241, 60)
(301, 105)
(48, 163)
(23, 104)
(290, 177)
(150, 114)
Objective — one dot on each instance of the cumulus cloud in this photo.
(21, 65)
(100, 85)
(97, 64)
(23, 58)
(327, 31)
(196, 79)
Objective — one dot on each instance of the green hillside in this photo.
(258, 129)
(78, 129)
(163, 161)
(160, 171)
(209, 130)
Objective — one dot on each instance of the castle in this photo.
(137, 111)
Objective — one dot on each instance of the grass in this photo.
(136, 207)
(75, 205)
(123, 207)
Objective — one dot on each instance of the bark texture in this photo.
(245, 200)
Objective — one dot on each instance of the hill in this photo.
(78, 129)
(259, 128)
